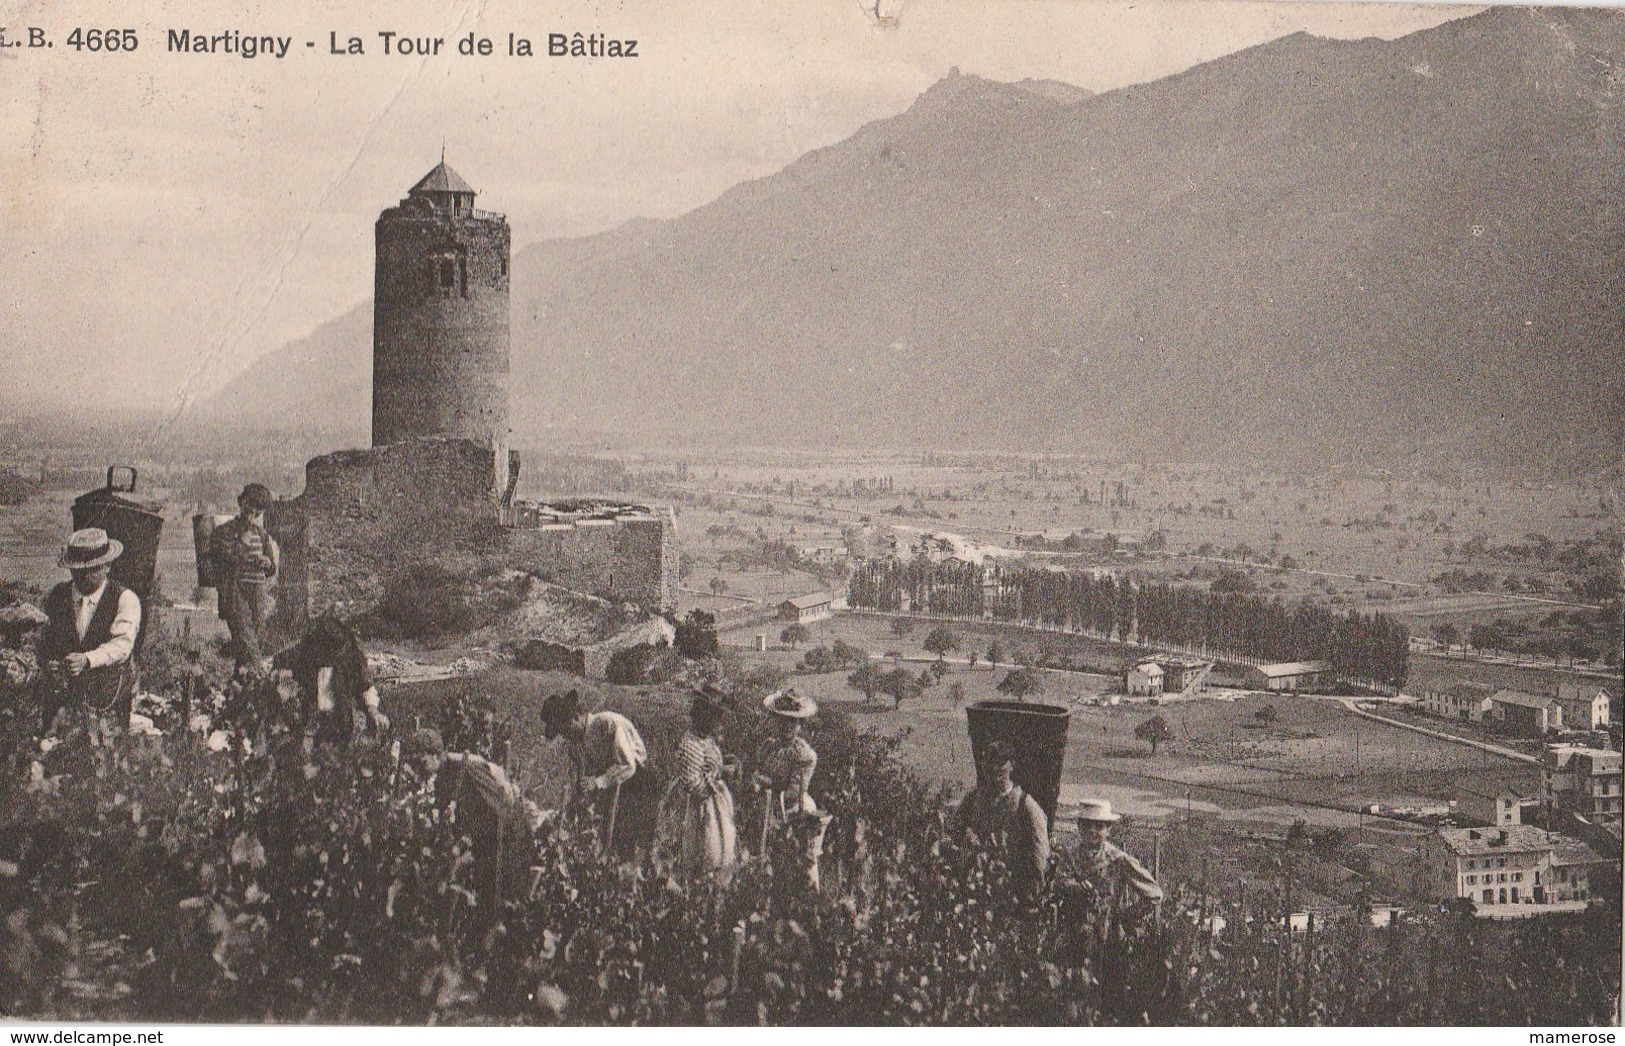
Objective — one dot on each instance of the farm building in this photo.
(823, 555)
(1166, 675)
(1464, 700)
(1291, 675)
(1528, 714)
(1584, 707)
(801, 609)
(1144, 680)
(1182, 673)
(1584, 781)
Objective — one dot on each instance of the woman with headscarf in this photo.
(785, 767)
(697, 814)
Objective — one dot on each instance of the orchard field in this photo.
(1315, 760)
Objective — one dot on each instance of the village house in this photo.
(1464, 700)
(1584, 707)
(1528, 714)
(1496, 867)
(1493, 865)
(1576, 870)
(1291, 675)
(1512, 808)
(802, 609)
(1144, 680)
(1583, 781)
(822, 555)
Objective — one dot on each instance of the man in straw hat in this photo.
(608, 753)
(246, 560)
(1000, 813)
(1108, 867)
(90, 632)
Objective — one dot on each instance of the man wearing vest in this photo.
(90, 633)
(246, 559)
(1000, 814)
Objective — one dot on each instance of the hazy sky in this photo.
(166, 218)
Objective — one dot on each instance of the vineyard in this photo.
(180, 882)
(1371, 648)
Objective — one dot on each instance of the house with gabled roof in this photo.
(1532, 715)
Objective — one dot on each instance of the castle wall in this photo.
(440, 352)
(367, 516)
(630, 561)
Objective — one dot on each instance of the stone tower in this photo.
(440, 339)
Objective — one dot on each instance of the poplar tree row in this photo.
(1367, 648)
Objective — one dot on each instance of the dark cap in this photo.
(997, 754)
(256, 497)
(708, 696)
(558, 711)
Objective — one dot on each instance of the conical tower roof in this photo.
(441, 179)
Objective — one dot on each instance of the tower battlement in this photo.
(440, 337)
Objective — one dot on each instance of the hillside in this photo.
(1308, 251)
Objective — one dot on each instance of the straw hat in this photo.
(790, 705)
(1098, 810)
(90, 547)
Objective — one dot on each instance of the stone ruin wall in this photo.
(369, 515)
(630, 561)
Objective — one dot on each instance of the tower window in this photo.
(448, 274)
(504, 266)
(462, 276)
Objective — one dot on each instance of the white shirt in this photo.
(612, 748)
(121, 634)
(324, 692)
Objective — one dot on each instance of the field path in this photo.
(1350, 703)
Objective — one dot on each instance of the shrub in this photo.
(430, 603)
(1019, 683)
(642, 664)
(697, 636)
(837, 659)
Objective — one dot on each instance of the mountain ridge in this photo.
(1300, 251)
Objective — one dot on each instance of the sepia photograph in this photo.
(849, 513)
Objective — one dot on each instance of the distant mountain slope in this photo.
(1310, 250)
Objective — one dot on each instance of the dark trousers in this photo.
(246, 608)
(635, 811)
